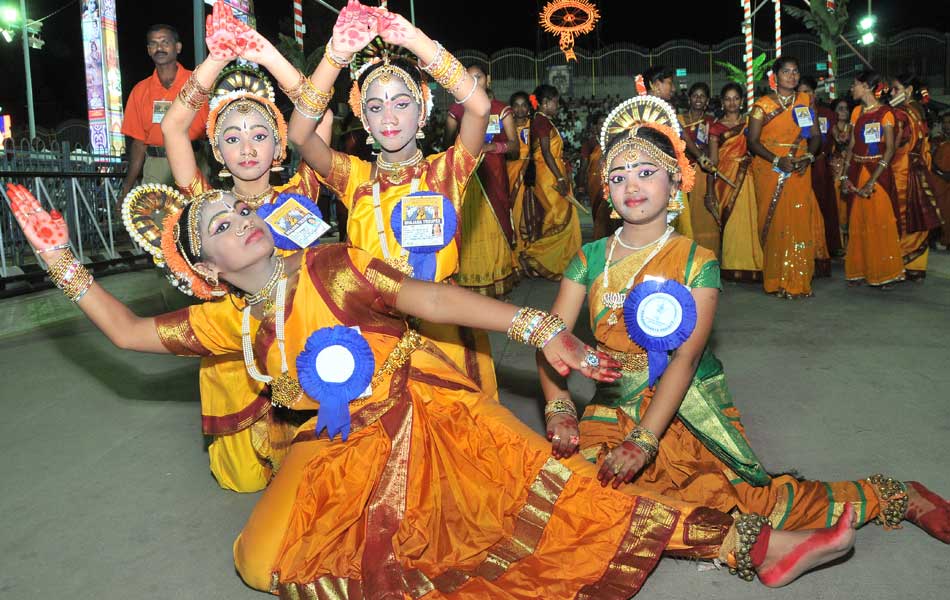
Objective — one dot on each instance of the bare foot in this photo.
(791, 553)
(928, 511)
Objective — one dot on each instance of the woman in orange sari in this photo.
(916, 188)
(783, 138)
(485, 263)
(874, 254)
(738, 211)
(669, 423)
(560, 234)
(703, 211)
(401, 481)
(517, 167)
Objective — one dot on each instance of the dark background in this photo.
(489, 25)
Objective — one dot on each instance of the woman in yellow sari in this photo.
(485, 261)
(916, 188)
(704, 213)
(783, 138)
(248, 136)
(560, 234)
(669, 424)
(393, 103)
(401, 481)
(738, 211)
(518, 188)
(874, 252)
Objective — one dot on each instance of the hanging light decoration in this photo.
(567, 19)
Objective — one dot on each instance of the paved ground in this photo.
(106, 492)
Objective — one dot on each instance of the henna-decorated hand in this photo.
(254, 47)
(565, 352)
(395, 29)
(622, 464)
(847, 188)
(46, 231)
(355, 27)
(563, 434)
(220, 33)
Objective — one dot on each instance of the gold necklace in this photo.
(396, 171)
(614, 300)
(264, 294)
(253, 200)
(785, 101)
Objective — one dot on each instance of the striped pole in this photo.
(299, 28)
(830, 5)
(749, 69)
(778, 27)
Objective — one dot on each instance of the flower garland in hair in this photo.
(189, 281)
(687, 173)
(533, 100)
(641, 86)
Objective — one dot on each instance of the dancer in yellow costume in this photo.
(560, 232)
(248, 136)
(520, 184)
(393, 102)
(704, 213)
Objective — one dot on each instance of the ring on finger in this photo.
(555, 438)
(616, 468)
(591, 359)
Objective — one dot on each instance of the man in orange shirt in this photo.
(146, 107)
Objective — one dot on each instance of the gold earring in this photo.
(224, 173)
(420, 135)
(370, 140)
(276, 167)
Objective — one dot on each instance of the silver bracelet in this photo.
(471, 92)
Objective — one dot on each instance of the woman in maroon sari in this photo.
(822, 179)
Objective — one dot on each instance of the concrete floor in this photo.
(107, 494)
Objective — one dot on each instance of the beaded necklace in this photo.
(254, 200)
(285, 390)
(615, 300)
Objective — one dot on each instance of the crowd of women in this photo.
(353, 383)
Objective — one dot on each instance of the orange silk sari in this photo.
(791, 229)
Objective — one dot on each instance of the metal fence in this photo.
(609, 71)
(83, 187)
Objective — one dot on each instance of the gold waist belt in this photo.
(866, 159)
(408, 343)
(629, 362)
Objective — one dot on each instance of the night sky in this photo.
(59, 83)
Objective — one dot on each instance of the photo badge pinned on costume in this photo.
(423, 223)
(872, 133)
(295, 221)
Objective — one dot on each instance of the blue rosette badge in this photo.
(295, 221)
(335, 367)
(659, 316)
(423, 223)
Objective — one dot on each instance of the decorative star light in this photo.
(568, 18)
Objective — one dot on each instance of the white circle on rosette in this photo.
(335, 364)
(659, 315)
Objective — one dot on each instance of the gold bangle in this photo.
(192, 94)
(336, 61)
(295, 92)
(549, 327)
(645, 440)
(560, 406)
(523, 323)
(312, 103)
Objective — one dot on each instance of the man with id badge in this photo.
(146, 107)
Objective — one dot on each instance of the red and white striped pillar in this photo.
(778, 27)
(830, 5)
(298, 22)
(747, 32)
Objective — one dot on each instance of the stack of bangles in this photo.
(307, 99)
(559, 406)
(336, 61)
(70, 276)
(193, 95)
(644, 439)
(535, 327)
(448, 72)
